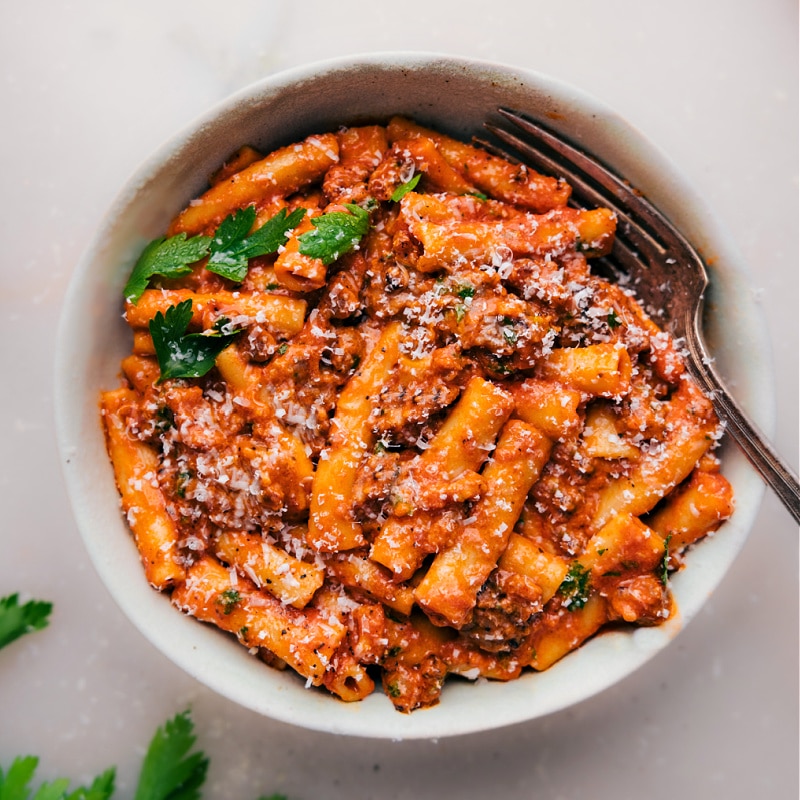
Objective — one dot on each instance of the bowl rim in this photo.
(360, 719)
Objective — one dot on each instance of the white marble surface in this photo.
(90, 88)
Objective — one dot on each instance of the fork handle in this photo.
(752, 442)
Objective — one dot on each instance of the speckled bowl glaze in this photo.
(456, 96)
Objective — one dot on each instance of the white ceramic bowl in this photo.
(456, 96)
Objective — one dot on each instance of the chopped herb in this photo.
(182, 482)
(602, 550)
(228, 600)
(613, 319)
(231, 248)
(16, 620)
(335, 234)
(499, 365)
(612, 574)
(509, 334)
(664, 567)
(393, 689)
(461, 311)
(182, 355)
(243, 632)
(401, 191)
(479, 195)
(380, 447)
(168, 257)
(165, 417)
(271, 286)
(575, 586)
(394, 651)
(465, 290)
(282, 349)
(169, 772)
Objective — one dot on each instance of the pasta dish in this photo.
(381, 421)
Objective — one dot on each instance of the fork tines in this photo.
(642, 232)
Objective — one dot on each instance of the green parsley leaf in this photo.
(225, 257)
(404, 188)
(613, 320)
(15, 784)
(52, 791)
(335, 234)
(16, 620)
(479, 195)
(461, 311)
(274, 233)
(102, 787)
(231, 248)
(575, 586)
(182, 355)
(169, 772)
(168, 257)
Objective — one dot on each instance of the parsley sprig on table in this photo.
(181, 354)
(15, 784)
(169, 772)
(16, 620)
(231, 247)
(335, 233)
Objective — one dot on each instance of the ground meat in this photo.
(416, 391)
(415, 686)
(504, 613)
(244, 485)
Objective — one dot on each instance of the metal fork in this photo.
(669, 276)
